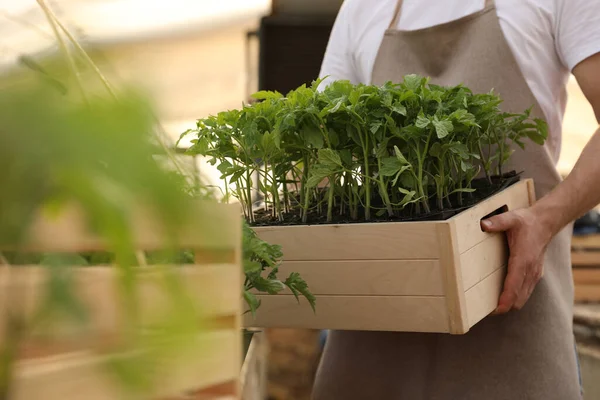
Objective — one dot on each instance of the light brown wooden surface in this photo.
(66, 358)
(452, 277)
(482, 298)
(254, 369)
(585, 259)
(69, 232)
(361, 241)
(389, 313)
(81, 374)
(586, 275)
(587, 292)
(481, 260)
(212, 288)
(468, 223)
(586, 242)
(369, 277)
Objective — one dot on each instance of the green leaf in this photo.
(435, 150)
(399, 108)
(442, 128)
(266, 95)
(390, 166)
(270, 286)
(318, 173)
(252, 302)
(329, 158)
(337, 106)
(382, 150)
(251, 266)
(313, 136)
(299, 286)
(422, 122)
(223, 166)
(463, 190)
(375, 126)
(414, 82)
(409, 197)
(399, 155)
(399, 174)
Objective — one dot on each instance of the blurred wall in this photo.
(190, 76)
(578, 126)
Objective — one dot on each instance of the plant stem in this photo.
(266, 189)
(306, 204)
(249, 195)
(383, 189)
(421, 161)
(440, 189)
(365, 145)
(285, 194)
(484, 161)
(63, 47)
(331, 189)
(304, 190)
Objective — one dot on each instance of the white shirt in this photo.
(547, 37)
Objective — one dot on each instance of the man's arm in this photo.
(580, 191)
(530, 230)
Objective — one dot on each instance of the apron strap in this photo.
(488, 4)
(396, 15)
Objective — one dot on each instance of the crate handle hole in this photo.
(497, 211)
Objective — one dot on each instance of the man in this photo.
(525, 50)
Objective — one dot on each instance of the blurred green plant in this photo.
(99, 149)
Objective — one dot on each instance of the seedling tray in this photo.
(430, 276)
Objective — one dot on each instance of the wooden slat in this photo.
(212, 288)
(453, 281)
(213, 360)
(585, 259)
(208, 226)
(587, 292)
(586, 275)
(360, 241)
(254, 372)
(480, 261)
(586, 242)
(221, 391)
(482, 299)
(376, 277)
(587, 314)
(372, 313)
(468, 223)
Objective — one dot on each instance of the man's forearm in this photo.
(577, 194)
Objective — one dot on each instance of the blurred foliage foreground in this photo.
(67, 137)
(99, 152)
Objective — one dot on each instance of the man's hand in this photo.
(530, 230)
(527, 240)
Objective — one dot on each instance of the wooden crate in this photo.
(585, 259)
(254, 369)
(68, 360)
(436, 276)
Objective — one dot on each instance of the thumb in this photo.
(498, 223)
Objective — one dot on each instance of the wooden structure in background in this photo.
(254, 369)
(585, 258)
(434, 276)
(66, 360)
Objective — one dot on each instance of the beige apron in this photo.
(527, 354)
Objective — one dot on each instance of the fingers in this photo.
(521, 280)
(513, 285)
(534, 274)
(499, 223)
